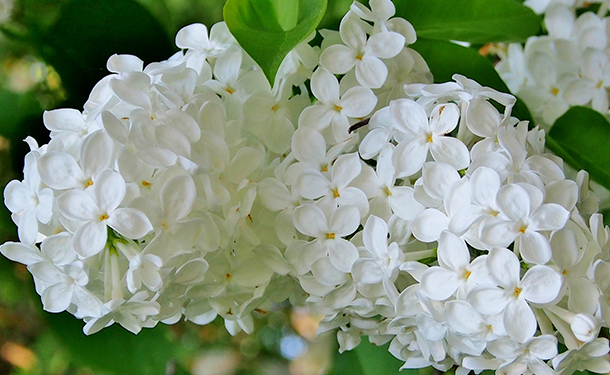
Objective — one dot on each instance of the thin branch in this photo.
(359, 125)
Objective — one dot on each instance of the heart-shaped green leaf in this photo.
(582, 138)
(269, 29)
(475, 21)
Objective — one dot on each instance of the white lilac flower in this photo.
(592, 356)
(523, 218)
(539, 285)
(426, 135)
(334, 192)
(99, 210)
(387, 198)
(455, 273)
(362, 54)
(519, 357)
(131, 314)
(64, 287)
(384, 259)
(29, 202)
(333, 109)
(571, 254)
(328, 233)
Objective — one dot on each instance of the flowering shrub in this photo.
(420, 214)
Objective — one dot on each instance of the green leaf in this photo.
(268, 36)
(581, 137)
(88, 32)
(446, 58)
(346, 363)
(475, 21)
(369, 359)
(287, 13)
(114, 349)
(335, 10)
(376, 360)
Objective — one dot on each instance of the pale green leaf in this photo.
(263, 33)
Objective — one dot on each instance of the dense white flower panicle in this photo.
(420, 215)
(155, 183)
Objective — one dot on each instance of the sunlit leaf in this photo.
(475, 21)
(582, 138)
(268, 36)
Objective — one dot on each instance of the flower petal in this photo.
(504, 267)
(90, 239)
(534, 247)
(541, 284)
(310, 220)
(130, 223)
(519, 320)
(451, 151)
(429, 224)
(109, 190)
(338, 58)
(439, 283)
(77, 205)
(371, 72)
(57, 298)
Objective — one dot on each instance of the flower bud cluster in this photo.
(416, 214)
